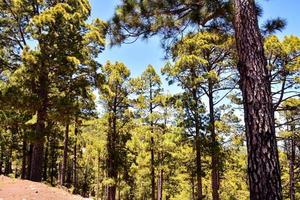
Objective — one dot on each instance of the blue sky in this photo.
(141, 53)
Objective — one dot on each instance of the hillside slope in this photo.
(16, 189)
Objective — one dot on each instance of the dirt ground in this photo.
(15, 189)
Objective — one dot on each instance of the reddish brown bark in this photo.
(263, 162)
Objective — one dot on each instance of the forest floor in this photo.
(16, 189)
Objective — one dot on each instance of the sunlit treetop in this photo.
(172, 19)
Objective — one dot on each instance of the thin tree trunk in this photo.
(292, 170)
(214, 145)
(59, 173)
(69, 171)
(111, 150)
(198, 148)
(7, 165)
(193, 187)
(1, 159)
(263, 162)
(46, 161)
(53, 159)
(119, 190)
(85, 183)
(24, 156)
(65, 156)
(160, 185)
(292, 159)
(75, 156)
(98, 176)
(152, 169)
(161, 159)
(8, 158)
(198, 167)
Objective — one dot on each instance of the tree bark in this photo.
(292, 170)
(69, 172)
(46, 161)
(111, 162)
(37, 161)
(53, 167)
(198, 148)
(38, 143)
(75, 156)
(193, 187)
(152, 169)
(1, 159)
(292, 160)
(198, 167)
(8, 155)
(263, 162)
(24, 156)
(65, 156)
(29, 159)
(214, 145)
(160, 185)
(160, 179)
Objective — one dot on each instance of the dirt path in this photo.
(15, 189)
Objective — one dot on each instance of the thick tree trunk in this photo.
(215, 182)
(29, 159)
(65, 156)
(46, 161)
(38, 143)
(37, 160)
(263, 162)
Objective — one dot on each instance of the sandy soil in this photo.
(15, 189)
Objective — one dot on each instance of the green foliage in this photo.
(170, 18)
(48, 65)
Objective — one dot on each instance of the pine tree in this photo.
(114, 96)
(148, 89)
(181, 13)
(263, 166)
(189, 78)
(211, 58)
(65, 47)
